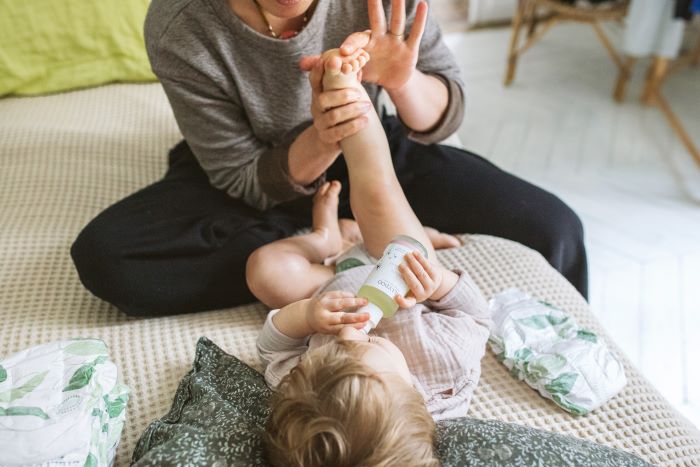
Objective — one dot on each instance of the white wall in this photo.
(484, 11)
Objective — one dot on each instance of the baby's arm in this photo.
(325, 314)
(463, 299)
(426, 280)
(442, 290)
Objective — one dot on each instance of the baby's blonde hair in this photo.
(333, 410)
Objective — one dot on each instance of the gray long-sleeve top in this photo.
(239, 96)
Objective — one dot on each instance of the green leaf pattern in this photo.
(562, 384)
(91, 461)
(543, 321)
(21, 391)
(26, 411)
(587, 335)
(80, 362)
(115, 407)
(87, 347)
(82, 375)
(546, 348)
(80, 378)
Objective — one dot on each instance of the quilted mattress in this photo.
(65, 157)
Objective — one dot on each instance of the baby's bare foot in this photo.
(341, 71)
(441, 240)
(350, 232)
(325, 219)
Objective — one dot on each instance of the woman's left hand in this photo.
(393, 57)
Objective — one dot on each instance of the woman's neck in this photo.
(249, 13)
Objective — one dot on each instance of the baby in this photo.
(345, 398)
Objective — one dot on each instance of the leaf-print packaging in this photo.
(61, 404)
(546, 348)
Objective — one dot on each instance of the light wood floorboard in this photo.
(621, 169)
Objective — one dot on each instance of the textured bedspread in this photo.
(64, 158)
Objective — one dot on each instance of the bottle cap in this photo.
(375, 314)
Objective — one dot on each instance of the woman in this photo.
(254, 153)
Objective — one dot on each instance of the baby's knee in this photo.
(267, 269)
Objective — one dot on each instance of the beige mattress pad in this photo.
(65, 157)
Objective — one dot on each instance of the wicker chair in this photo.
(527, 14)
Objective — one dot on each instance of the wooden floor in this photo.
(620, 168)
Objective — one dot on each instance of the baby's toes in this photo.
(334, 188)
(333, 64)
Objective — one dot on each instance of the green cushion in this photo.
(221, 406)
(56, 45)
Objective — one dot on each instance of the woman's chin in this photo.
(286, 8)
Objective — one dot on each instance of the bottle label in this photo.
(386, 276)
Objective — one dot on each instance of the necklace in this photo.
(284, 34)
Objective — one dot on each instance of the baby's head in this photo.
(350, 403)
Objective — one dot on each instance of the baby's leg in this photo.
(291, 269)
(377, 199)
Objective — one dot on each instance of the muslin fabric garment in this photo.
(443, 342)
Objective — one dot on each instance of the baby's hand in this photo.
(422, 277)
(325, 314)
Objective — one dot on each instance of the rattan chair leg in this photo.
(514, 40)
(655, 76)
(606, 43)
(623, 78)
(676, 125)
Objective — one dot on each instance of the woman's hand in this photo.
(393, 57)
(338, 113)
(422, 278)
(325, 314)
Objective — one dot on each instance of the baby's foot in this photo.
(325, 219)
(350, 232)
(341, 71)
(441, 240)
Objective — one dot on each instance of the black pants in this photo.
(181, 246)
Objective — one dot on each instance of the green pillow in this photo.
(56, 45)
(220, 410)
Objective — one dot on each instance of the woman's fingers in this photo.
(342, 131)
(345, 113)
(336, 98)
(418, 26)
(316, 77)
(308, 62)
(398, 17)
(355, 41)
(377, 20)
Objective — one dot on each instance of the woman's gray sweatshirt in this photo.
(240, 98)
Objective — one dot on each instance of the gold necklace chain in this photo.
(284, 34)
